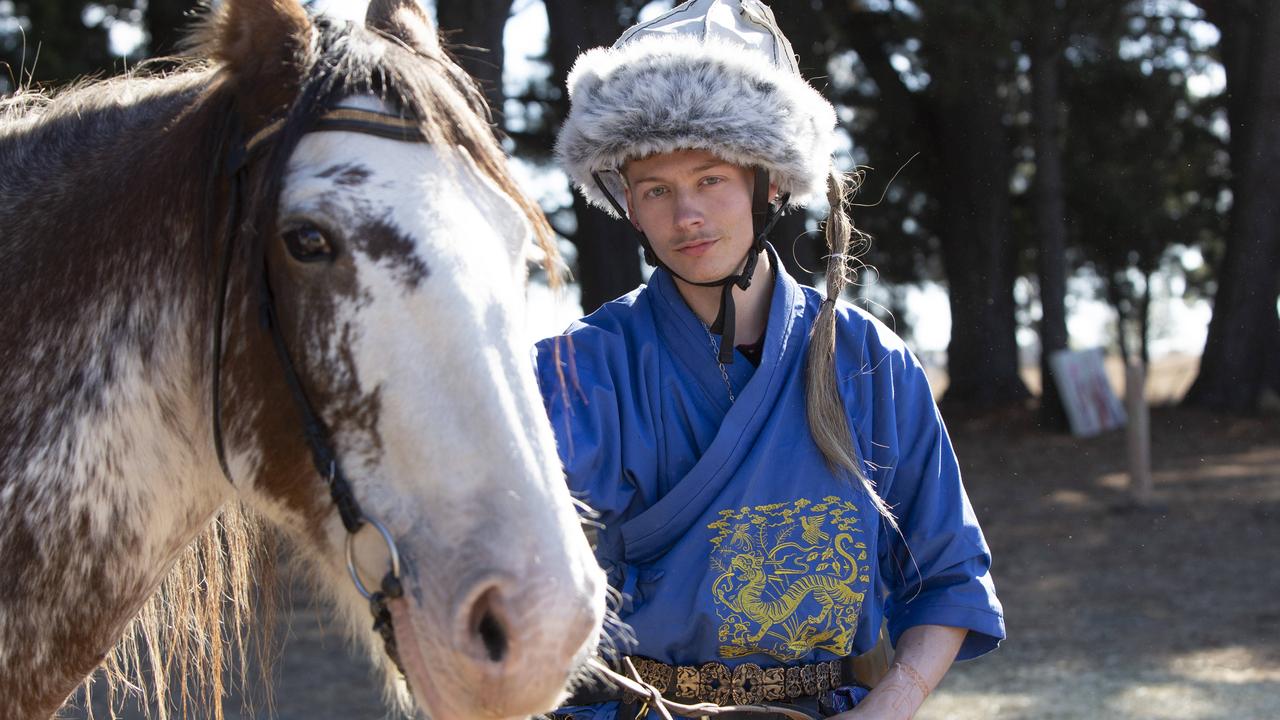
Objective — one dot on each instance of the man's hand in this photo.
(923, 656)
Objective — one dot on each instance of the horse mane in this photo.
(187, 629)
(183, 640)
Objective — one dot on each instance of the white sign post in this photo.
(1139, 435)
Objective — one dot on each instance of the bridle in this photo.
(323, 455)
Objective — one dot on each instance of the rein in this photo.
(323, 455)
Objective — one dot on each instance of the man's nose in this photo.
(688, 213)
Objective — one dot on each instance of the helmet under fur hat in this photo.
(713, 75)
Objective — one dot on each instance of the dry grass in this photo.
(1167, 379)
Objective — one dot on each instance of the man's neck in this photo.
(751, 306)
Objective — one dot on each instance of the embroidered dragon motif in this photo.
(828, 591)
(786, 584)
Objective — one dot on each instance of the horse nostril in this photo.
(495, 639)
(488, 626)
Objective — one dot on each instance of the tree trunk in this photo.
(1115, 296)
(472, 29)
(1235, 367)
(608, 251)
(1144, 318)
(977, 250)
(1271, 355)
(1049, 204)
(958, 124)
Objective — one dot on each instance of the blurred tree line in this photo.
(1033, 139)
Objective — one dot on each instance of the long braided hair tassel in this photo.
(828, 421)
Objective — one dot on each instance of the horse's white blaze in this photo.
(463, 468)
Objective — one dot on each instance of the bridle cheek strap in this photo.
(323, 456)
(317, 434)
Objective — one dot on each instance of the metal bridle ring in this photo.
(351, 555)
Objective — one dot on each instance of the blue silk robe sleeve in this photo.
(934, 571)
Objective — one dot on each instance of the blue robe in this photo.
(722, 525)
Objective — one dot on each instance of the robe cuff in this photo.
(985, 626)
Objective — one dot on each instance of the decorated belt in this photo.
(745, 684)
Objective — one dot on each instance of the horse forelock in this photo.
(423, 83)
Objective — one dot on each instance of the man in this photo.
(771, 477)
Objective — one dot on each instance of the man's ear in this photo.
(773, 192)
(626, 200)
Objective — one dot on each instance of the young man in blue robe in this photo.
(769, 470)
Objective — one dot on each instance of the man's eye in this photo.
(656, 192)
(713, 180)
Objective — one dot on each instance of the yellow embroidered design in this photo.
(792, 578)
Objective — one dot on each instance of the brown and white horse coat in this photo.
(405, 340)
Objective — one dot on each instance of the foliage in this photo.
(1145, 165)
(56, 40)
(934, 97)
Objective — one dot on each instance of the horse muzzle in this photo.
(506, 649)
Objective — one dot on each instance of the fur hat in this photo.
(714, 75)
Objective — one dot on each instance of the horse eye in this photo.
(307, 243)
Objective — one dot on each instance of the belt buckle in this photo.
(657, 674)
(715, 683)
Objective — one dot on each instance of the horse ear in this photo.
(262, 45)
(404, 20)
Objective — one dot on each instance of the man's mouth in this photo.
(696, 248)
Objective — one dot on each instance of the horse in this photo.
(277, 290)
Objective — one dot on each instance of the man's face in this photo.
(695, 209)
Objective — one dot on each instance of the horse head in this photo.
(377, 268)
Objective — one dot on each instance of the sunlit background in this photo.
(1178, 321)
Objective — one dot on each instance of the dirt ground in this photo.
(1114, 611)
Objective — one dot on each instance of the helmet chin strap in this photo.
(763, 217)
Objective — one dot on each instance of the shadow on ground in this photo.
(1115, 611)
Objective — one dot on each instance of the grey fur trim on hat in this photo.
(659, 94)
